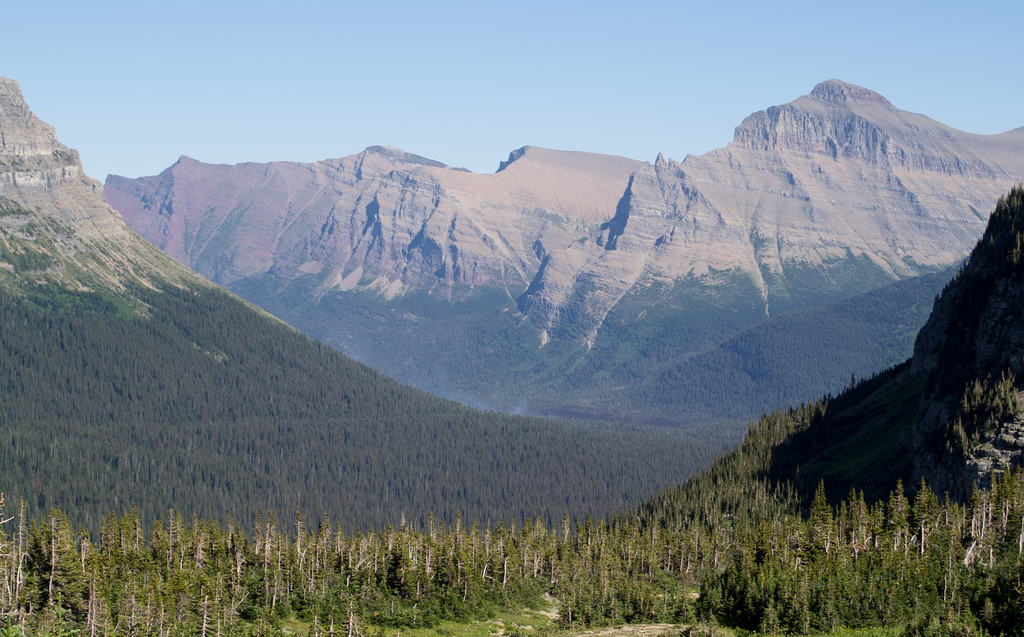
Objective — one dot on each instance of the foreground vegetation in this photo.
(760, 560)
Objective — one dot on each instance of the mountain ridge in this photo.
(815, 201)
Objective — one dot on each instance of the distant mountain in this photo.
(125, 379)
(556, 282)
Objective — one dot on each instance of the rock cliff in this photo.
(54, 222)
(834, 176)
(396, 220)
(834, 194)
(970, 424)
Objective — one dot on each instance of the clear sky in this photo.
(133, 85)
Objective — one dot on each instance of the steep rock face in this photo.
(832, 195)
(835, 175)
(381, 219)
(38, 170)
(971, 350)
(54, 222)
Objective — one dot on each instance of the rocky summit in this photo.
(832, 195)
(55, 225)
(834, 176)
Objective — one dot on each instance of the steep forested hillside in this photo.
(213, 408)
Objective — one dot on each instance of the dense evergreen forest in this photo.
(216, 409)
(763, 555)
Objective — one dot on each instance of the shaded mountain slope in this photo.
(898, 503)
(950, 415)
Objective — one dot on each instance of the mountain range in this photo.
(104, 335)
(574, 283)
(126, 380)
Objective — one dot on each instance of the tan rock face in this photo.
(836, 175)
(396, 217)
(58, 214)
(838, 172)
(31, 158)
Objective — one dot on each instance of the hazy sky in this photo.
(133, 85)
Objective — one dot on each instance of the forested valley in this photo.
(211, 407)
(731, 370)
(812, 524)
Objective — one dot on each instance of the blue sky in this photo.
(134, 85)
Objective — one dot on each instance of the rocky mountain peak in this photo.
(55, 225)
(822, 124)
(839, 92)
(22, 134)
(402, 157)
(513, 156)
(30, 155)
(843, 122)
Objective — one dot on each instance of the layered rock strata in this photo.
(834, 176)
(54, 219)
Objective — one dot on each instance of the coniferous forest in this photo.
(213, 408)
(727, 547)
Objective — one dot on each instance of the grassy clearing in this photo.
(521, 623)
